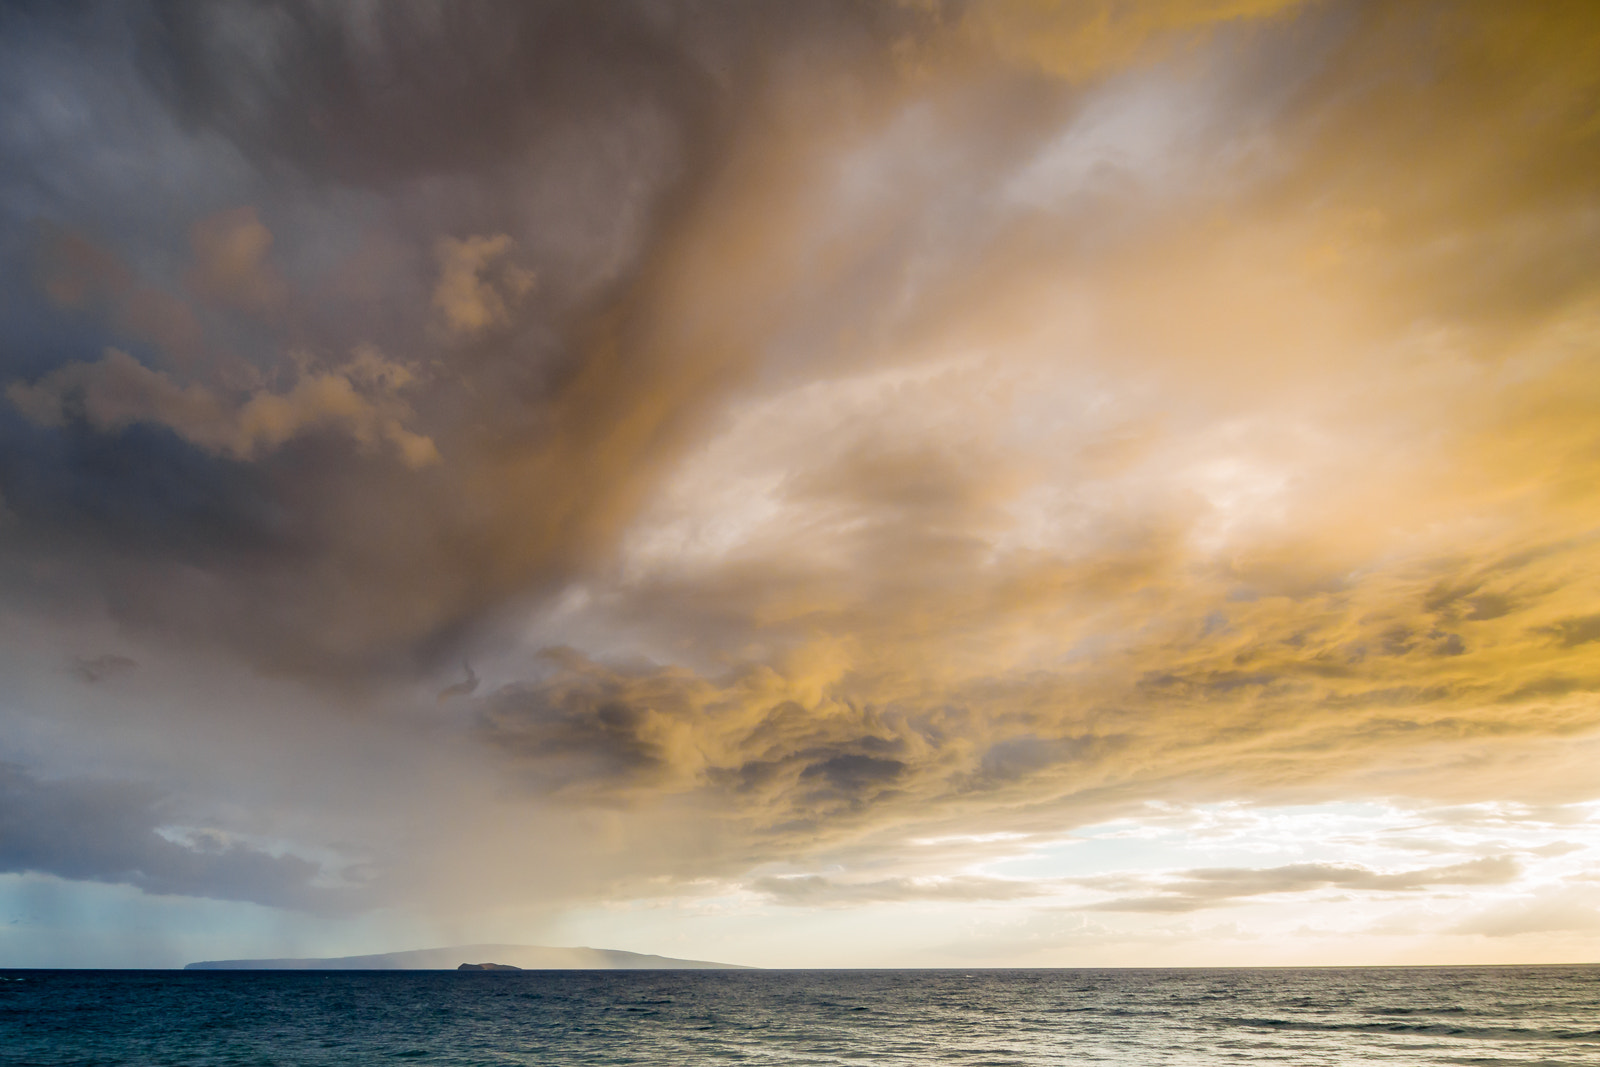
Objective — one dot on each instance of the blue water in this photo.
(1469, 1015)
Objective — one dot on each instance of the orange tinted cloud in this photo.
(951, 424)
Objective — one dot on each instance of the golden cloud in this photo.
(360, 397)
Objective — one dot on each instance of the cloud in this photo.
(466, 687)
(815, 890)
(1079, 40)
(360, 397)
(99, 668)
(1579, 630)
(230, 260)
(604, 731)
(1214, 887)
(477, 287)
(598, 731)
(987, 418)
(110, 832)
(78, 274)
(1550, 911)
(598, 143)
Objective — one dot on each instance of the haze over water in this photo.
(1029, 1018)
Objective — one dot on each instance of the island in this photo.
(487, 967)
(518, 957)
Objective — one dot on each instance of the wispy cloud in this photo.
(815, 890)
(1213, 887)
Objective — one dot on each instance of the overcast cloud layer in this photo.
(468, 471)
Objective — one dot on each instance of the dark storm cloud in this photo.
(607, 731)
(377, 93)
(107, 832)
(589, 735)
(565, 146)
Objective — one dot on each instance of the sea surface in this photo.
(1434, 1015)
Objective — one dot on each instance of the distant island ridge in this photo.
(521, 957)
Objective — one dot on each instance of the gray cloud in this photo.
(107, 832)
(99, 668)
(466, 687)
(579, 142)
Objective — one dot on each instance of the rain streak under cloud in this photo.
(883, 483)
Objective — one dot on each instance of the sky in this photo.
(855, 483)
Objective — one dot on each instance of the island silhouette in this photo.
(518, 957)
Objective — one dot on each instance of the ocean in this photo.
(993, 1018)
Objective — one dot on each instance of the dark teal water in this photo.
(1474, 1015)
